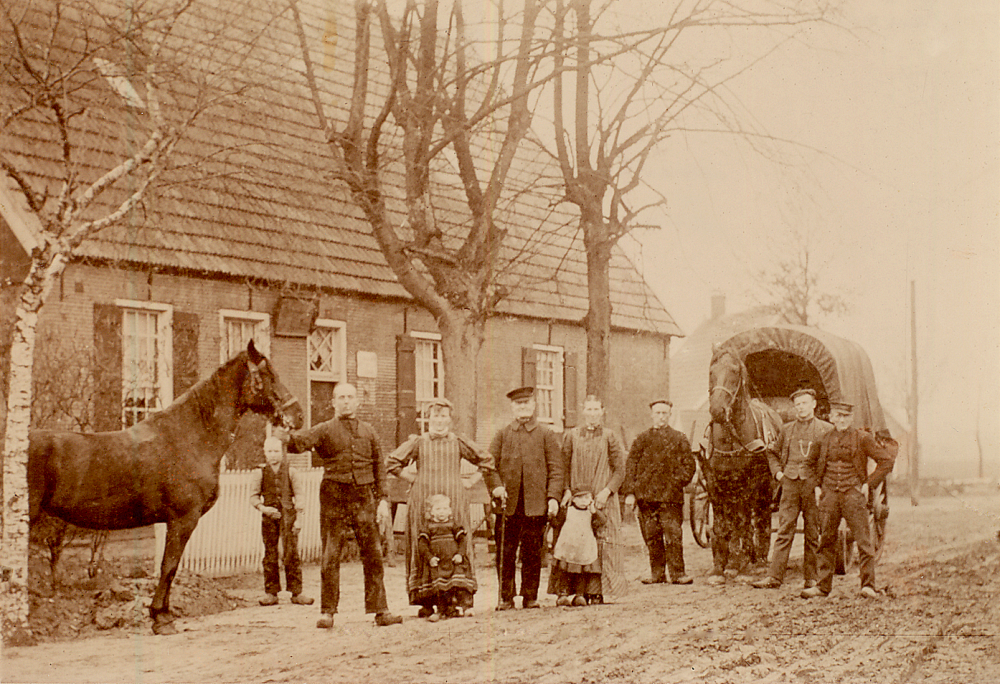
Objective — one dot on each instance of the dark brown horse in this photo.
(164, 469)
(739, 482)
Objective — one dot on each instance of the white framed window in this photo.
(327, 359)
(549, 372)
(237, 328)
(430, 372)
(147, 351)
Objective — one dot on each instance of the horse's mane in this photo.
(203, 395)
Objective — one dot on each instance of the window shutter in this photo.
(528, 364)
(108, 363)
(406, 388)
(571, 401)
(185, 332)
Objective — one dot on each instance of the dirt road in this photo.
(936, 620)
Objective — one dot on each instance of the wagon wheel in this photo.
(878, 517)
(700, 511)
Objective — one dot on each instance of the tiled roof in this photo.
(265, 204)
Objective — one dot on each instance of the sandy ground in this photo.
(937, 619)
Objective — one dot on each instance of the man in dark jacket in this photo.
(353, 484)
(527, 457)
(660, 464)
(787, 457)
(841, 470)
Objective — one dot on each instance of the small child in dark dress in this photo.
(445, 569)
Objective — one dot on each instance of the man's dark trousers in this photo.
(348, 507)
(851, 506)
(271, 531)
(659, 520)
(527, 533)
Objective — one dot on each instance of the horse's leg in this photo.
(178, 533)
(761, 513)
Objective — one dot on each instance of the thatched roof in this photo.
(263, 203)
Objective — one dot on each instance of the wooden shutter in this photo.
(529, 362)
(108, 367)
(406, 388)
(571, 402)
(185, 345)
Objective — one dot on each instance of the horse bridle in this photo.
(257, 386)
(753, 446)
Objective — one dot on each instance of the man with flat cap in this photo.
(660, 464)
(787, 458)
(527, 457)
(841, 470)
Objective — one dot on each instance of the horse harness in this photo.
(755, 445)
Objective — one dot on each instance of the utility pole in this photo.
(979, 433)
(914, 443)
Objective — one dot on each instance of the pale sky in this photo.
(906, 110)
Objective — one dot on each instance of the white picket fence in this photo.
(227, 540)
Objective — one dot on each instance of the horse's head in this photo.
(263, 392)
(726, 376)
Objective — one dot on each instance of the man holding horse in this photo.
(353, 481)
(843, 482)
(787, 458)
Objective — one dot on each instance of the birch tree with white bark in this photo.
(74, 71)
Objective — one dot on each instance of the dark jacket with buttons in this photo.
(853, 447)
(660, 464)
(349, 450)
(527, 457)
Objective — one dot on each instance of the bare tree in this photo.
(63, 73)
(67, 380)
(627, 91)
(794, 286)
(442, 110)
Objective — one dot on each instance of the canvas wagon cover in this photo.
(783, 358)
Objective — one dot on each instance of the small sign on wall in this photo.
(367, 364)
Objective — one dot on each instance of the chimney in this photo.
(718, 305)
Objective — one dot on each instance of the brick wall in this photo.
(640, 363)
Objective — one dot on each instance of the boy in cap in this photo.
(841, 470)
(787, 458)
(660, 464)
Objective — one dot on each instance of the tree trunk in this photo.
(599, 312)
(461, 339)
(14, 546)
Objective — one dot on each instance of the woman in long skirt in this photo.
(594, 463)
(437, 456)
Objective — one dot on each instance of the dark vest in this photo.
(276, 488)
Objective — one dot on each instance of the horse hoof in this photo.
(164, 628)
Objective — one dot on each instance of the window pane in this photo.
(324, 354)
(140, 367)
(430, 376)
(548, 371)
